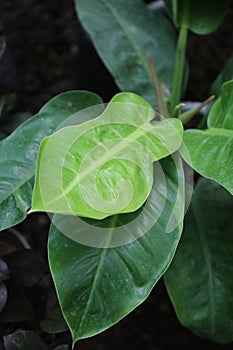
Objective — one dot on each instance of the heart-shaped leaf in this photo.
(104, 166)
(123, 32)
(99, 286)
(210, 152)
(200, 16)
(18, 153)
(199, 280)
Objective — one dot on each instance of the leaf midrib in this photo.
(130, 38)
(142, 131)
(98, 270)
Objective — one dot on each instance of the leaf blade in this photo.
(18, 154)
(104, 167)
(199, 279)
(209, 152)
(130, 25)
(122, 283)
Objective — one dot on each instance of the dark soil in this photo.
(47, 54)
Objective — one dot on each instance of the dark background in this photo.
(47, 53)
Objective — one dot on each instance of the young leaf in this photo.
(210, 152)
(104, 166)
(18, 153)
(200, 16)
(98, 287)
(123, 32)
(199, 280)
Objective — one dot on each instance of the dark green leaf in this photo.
(199, 280)
(24, 340)
(54, 322)
(62, 347)
(99, 286)
(4, 271)
(3, 296)
(123, 32)
(210, 152)
(200, 16)
(18, 153)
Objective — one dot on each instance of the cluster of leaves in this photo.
(97, 287)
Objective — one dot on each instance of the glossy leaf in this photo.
(122, 33)
(98, 287)
(225, 75)
(18, 153)
(26, 340)
(104, 166)
(199, 280)
(200, 16)
(210, 152)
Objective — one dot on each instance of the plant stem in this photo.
(179, 68)
(187, 116)
(162, 106)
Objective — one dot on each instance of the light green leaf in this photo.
(210, 152)
(18, 153)
(122, 33)
(200, 16)
(225, 75)
(199, 280)
(104, 166)
(98, 287)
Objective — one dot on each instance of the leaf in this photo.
(210, 152)
(3, 296)
(98, 287)
(225, 75)
(200, 16)
(26, 340)
(4, 271)
(199, 280)
(123, 32)
(62, 347)
(2, 47)
(18, 153)
(54, 322)
(104, 166)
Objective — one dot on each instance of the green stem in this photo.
(179, 68)
(187, 116)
